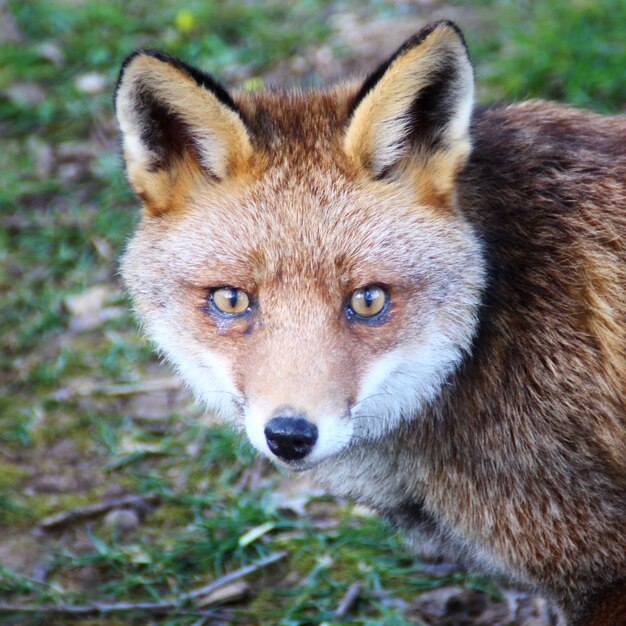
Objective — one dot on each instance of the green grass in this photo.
(195, 535)
(65, 213)
(574, 52)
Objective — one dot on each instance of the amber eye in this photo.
(368, 302)
(230, 300)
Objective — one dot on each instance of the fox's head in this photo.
(301, 258)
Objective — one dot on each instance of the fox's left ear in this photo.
(416, 109)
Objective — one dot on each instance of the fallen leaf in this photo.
(229, 593)
(255, 533)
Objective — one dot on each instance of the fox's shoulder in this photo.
(545, 187)
(539, 160)
(544, 127)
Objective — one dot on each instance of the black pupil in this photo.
(369, 296)
(233, 296)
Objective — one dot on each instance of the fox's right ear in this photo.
(175, 121)
(415, 110)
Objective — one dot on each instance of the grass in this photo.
(567, 51)
(66, 212)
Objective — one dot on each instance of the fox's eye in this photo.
(229, 300)
(368, 302)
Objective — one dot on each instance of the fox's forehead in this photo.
(304, 225)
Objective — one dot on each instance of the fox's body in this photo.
(520, 464)
(484, 406)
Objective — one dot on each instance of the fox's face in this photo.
(300, 258)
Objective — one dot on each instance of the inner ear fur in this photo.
(411, 116)
(176, 121)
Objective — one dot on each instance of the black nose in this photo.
(290, 438)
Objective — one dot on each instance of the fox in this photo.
(419, 301)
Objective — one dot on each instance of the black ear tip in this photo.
(444, 23)
(145, 52)
(202, 79)
(150, 52)
(457, 30)
(427, 30)
(410, 43)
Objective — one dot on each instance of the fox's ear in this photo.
(417, 105)
(175, 120)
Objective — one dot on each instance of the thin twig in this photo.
(168, 383)
(164, 606)
(251, 476)
(71, 516)
(439, 570)
(348, 600)
(236, 575)
(164, 383)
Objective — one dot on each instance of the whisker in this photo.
(346, 441)
(368, 417)
(374, 395)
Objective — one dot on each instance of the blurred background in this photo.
(114, 487)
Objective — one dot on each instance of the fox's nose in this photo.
(290, 438)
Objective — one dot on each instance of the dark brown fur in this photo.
(543, 401)
(526, 449)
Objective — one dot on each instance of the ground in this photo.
(153, 499)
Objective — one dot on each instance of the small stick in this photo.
(438, 570)
(169, 383)
(348, 600)
(164, 606)
(239, 573)
(164, 383)
(71, 516)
